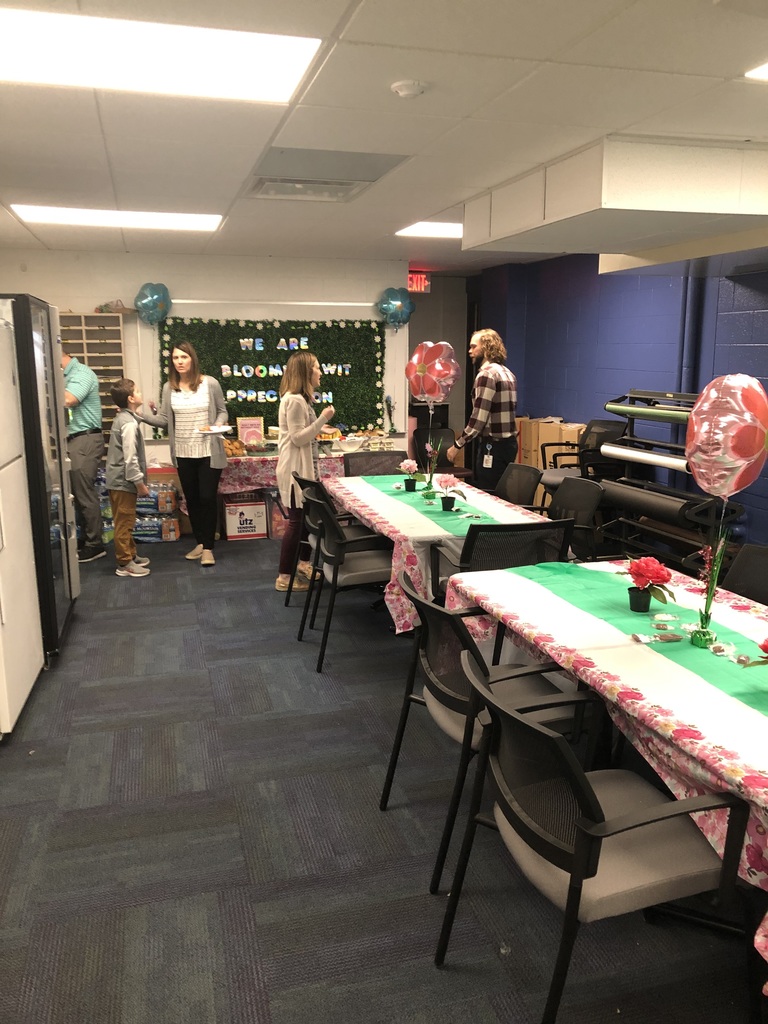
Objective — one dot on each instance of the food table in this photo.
(700, 720)
(250, 472)
(382, 503)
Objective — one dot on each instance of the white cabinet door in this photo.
(11, 442)
(21, 636)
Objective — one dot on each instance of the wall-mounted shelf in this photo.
(96, 339)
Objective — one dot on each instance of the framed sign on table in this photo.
(250, 429)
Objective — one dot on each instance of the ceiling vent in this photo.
(318, 175)
(319, 190)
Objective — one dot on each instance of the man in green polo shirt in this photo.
(85, 447)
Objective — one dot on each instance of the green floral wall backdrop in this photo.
(247, 357)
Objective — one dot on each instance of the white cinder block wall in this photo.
(212, 287)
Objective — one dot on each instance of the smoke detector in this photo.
(408, 88)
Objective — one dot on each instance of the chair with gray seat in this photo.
(747, 575)
(349, 524)
(518, 484)
(578, 499)
(562, 459)
(441, 438)
(439, 640)
(367, 463)
(500, 546)
(597, 844)
(341, 562)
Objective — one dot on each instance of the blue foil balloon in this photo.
(153, 303)
(395, 306)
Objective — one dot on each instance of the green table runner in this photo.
(604, 595)
(451, 522)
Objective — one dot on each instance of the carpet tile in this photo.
(190, 834)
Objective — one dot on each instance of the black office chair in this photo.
(366, 463)
(562, 459)
(344, 563)
(500, 546)
(350, 526)
(439, 641)
(442, 438)
(598, 843)
(518, 484)
(578, 499)
(747, 575)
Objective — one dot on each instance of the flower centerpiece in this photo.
(649, 577)
(410, 468)
(449, 490)
(712, 555)
(433, 454)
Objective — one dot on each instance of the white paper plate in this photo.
(215, 430)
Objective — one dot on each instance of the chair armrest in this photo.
(367, 542)
(436, 551)
(660, 812)
(558, 700)
(560, 445)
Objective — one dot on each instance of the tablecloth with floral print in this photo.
(697, 738)
(412, 532)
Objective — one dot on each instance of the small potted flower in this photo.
(449, 490)
(410, 467)
(649, 577)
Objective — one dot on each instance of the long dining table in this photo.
(413, 525)
(699, 718)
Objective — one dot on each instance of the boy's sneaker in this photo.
(139, 560)
(132, 569)
(90, 554)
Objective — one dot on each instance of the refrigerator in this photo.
(39, 572)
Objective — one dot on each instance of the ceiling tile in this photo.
(503, 28)
(360, 76)
(608, 98)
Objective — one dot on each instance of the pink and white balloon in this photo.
(432, 371)
(727, 434)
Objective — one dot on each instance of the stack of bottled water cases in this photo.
(157, 515)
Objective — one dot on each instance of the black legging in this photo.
(200, 484)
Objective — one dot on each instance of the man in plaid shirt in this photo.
(492, 421)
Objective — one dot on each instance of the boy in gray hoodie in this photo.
(126, 476)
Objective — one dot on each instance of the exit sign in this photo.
(418, 281)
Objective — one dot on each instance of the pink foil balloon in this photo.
(725, 443)
(432, 371)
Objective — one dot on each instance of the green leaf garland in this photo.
(247, 358)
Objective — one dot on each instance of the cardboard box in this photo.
(246, 520)
(522, 424)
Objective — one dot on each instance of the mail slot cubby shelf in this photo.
(96, 339)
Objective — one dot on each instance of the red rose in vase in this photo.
(649, 574)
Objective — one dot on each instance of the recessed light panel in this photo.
(148, 57)
(433, 229)
(117, 218)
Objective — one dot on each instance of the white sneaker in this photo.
(195, 553)
(132, 569)
(140, 560)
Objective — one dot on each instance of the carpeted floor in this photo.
(189, 832)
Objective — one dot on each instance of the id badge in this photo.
(488, 458)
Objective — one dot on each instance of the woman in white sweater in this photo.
(190, 405)
(297, 451)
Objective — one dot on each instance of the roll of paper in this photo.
(617, 451)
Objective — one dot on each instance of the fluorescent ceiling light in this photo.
(117, 218)
(433, 229)
(760, 73)
(147, 57)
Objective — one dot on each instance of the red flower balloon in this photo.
(432, 371)
(727, 434)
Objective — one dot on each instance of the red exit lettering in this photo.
(419, 282)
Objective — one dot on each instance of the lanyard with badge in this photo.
(488, 457)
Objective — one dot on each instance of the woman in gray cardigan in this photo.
(191, 403)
